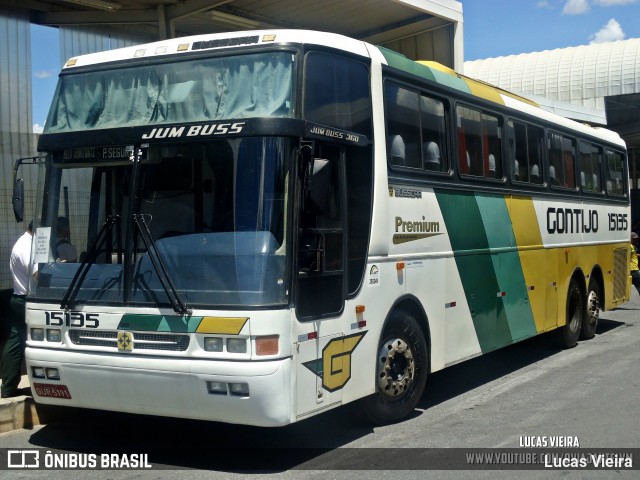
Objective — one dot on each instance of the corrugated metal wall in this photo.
(16, 129)
(79, 41)
(16, 138)
(433, 45)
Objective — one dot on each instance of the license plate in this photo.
(49, 390)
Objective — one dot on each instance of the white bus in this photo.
(266, 225)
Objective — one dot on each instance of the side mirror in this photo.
(18, 199)
(318, 186)
(18, 188)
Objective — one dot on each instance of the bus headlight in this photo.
(37, 334)
(213, 344)
(236, 345)
(54, 335)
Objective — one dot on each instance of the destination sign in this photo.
(96, 154)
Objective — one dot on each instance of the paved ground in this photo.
(528, 390)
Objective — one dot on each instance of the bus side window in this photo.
(525, 147)
(479, 143)
(517, 140)
(562, 161)
(555, 159)
(403, 126)
(535, 141)
(492, 146)
(432, 118)
(469, 141)
(590, 161)
(614, 168)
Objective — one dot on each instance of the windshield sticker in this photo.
(42, 242)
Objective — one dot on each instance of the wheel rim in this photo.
(593, 307)
(396, 368)
(574, 311)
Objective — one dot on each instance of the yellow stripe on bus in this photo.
(532, 257)
(478, 88)
(222, 325)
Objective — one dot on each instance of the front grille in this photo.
(94, 338)
(170, 342)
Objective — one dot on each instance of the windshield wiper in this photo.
(68, 300)
(178, 305)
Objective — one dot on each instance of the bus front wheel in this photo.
(402, 364)
(567, 336)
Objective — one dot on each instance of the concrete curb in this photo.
(23, 412)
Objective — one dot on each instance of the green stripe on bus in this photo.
(489, 266)
(401, 62)
(159, 323)
(476, 268)
(497, 225)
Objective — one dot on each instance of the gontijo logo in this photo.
(335, 365)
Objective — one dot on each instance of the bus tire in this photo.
(402, 364)
(567, 336)
(590, 321)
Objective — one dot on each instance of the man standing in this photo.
(13, 354)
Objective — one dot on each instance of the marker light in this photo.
(37, 372)
(54, 335)
(236, 345)
(37, 334)
(267, 345)
(213, 344)
(53, 374)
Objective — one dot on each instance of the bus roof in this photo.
(211, 42)
(428, 70)
(443, 75)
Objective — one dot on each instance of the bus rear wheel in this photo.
(567, 336)
(401, 370)
(590, 323)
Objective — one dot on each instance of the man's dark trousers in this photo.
(13, 354)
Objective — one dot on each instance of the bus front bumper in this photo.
(173, 387)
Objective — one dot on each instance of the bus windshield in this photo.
(214, 213)
(242, 86)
